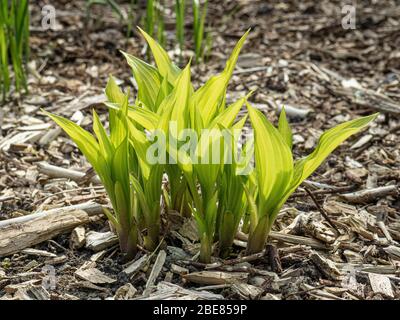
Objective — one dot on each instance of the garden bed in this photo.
(297, 55)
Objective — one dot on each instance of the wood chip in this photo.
(38, 253)
(370, 195)
(98, 255)
(134, 266)
(325, 265)
(381, 284)
(56, 260)
(393, 251)
(98, 241)
(178, 269)
(126, 292)
(158, 264)
(39, 292)
(215, 277)
(297, 240)
(12, 288)
(78, 238)
(169, 291)
(247, 291)
(94, 276)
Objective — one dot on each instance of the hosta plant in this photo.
(277, 175)
(132, 184)
(165, 95)
(110, 157)
(145, 178)
(174, 129)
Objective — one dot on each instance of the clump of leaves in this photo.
(14, 43)
(166, 95)
(277, 175)
(111, 157)
(217, 193)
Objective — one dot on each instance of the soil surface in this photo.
(298, 54)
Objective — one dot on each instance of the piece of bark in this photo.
(362, 141)
(98, 241)
(39, 292)
(19, 235)
(157, 267)
(297, 240)
(317, 293)
(370, 195)
(78, 238)
(215, 277)
(12, 288)
(381, 284)
(89, 285)
(169, 291)
(168, 276)
(38, 253)
(98, 255)
(57, 172)
(289, 238)
(353, 257)
(247, 291)
(326, 266)
(175, 253)
(273, 258)
(369, 268)
(91, 208)
(94, 275)
(270, 296)
(393, 251)
(134, 266)
(126, 292)
(49, 136)
(178, 269)
(385, 231)
(20, 138)
(56, 260)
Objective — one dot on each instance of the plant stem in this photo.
(226, 232)
(257, 238)
(152, 237)
(205, 249)
(128, 242)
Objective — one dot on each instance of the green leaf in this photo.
(110, 217)
(118, 123)
(117, 97)
(83, 139)
(113, 92)
(285, 129)
(106, 148)
(120, 167)
(164, 64)
(164, 91)
(274, 163)
(228, 116)
(148, 80)
(175, 107)
(328, 142)
(141, 196)
(209, 97)
(145, 118)
(140, 144)
(180, 109)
